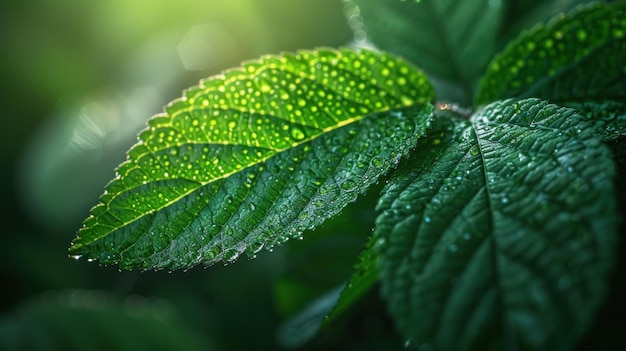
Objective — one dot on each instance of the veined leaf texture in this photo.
(500, 231)
(256, 156)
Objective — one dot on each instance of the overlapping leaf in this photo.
(523, 14)
(450, 40)
(499, 234)
(363, 278)
(577, 60)
(256, 156)
(331, 305)
(576, 57)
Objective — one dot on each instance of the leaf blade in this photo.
(480, 251)
(363, 278)
(576, 56)
(199, 184)
(451, 41)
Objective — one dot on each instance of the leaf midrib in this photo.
(226, 175)
(323, 131)
(493, 250)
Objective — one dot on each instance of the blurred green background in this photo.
(80, 78)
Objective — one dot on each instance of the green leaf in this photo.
(302, 327)
(500, 232)
(327, 308)
(452, 41)
(575, 57)
(608, 116)
(361, 281)
(256, 156)
(523, 14)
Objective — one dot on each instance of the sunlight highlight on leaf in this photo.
(256, 156)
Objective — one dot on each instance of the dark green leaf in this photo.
(303, 326)
(499, 234)
(608, 116)
(256, 156)
(362, 280)
(299, 329)
(452, 41)
(523, 14)
(575, 57)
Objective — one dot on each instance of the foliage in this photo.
(498, 222)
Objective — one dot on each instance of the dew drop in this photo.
(453, 248)
(505, 200)
(427, 219)
(231, 255)
(522, 157)
(297, 134)
(348, 185)
(377, 162)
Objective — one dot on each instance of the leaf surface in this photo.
(361, 281)
(256, 156)
(452, 41)
(579, 56)
(608, 116)
(523, 14)
(499, 234)
(327, 308)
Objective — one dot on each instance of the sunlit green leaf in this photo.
(452, 41)
(575, 57)
(256, 156)
(500, 232)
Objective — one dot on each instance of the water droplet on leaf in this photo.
(348, 185)
(297, 134)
